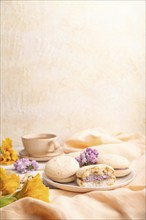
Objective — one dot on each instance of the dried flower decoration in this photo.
(88, 157)
(7, 154)
(9, 182)
(32, 188)
(24, 165)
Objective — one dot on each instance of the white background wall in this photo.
(68, 66)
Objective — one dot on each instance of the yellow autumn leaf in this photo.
(8, 182)
(34, 188)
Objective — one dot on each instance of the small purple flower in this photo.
(24, 165)
(34, 164)
(88, 157)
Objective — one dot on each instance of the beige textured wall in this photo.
(68, 66)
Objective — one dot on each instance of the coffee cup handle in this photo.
(52, 146)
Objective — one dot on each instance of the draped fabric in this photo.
(126, 203)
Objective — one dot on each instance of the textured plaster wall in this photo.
(68, 66)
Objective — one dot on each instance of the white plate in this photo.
(73, 187)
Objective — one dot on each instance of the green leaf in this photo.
(6, 200)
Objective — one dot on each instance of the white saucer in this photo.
(73, 187)
(24, 154)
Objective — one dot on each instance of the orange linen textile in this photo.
(128, 145)
(123, 203)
